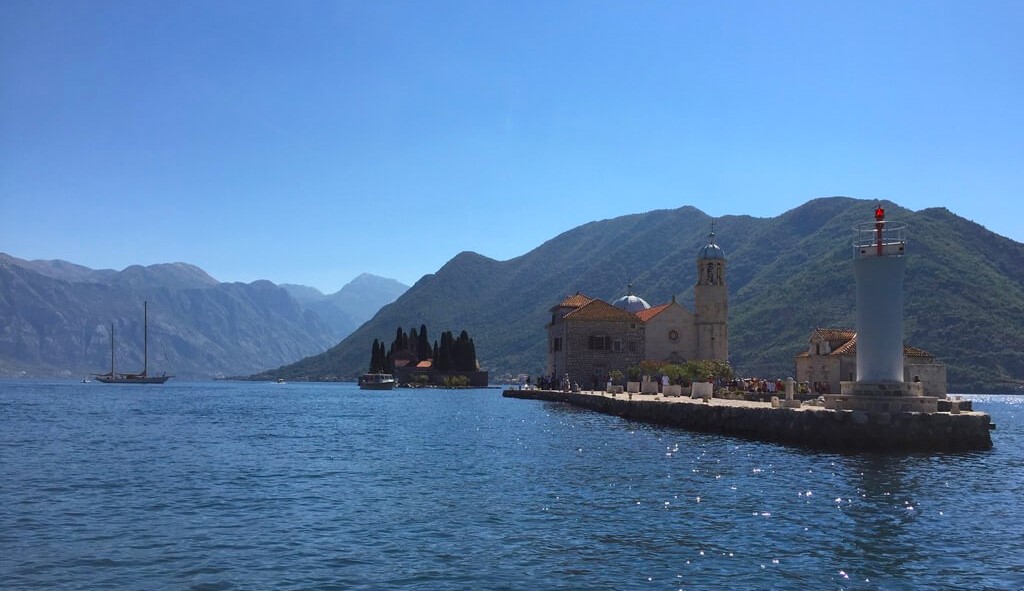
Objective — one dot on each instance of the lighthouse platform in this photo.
(804, 425)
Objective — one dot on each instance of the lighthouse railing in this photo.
(879, 238)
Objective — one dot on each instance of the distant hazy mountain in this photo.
(55, 318)
(303, 294)
(786, 275)
(352, 305)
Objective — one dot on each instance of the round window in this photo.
(673, 335)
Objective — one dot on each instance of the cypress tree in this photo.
(382, 358)
(462, 360)
(444, 359)
(373, 358)
(458, 353)
(396, 345)
(423, 344)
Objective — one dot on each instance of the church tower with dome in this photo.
(589, 338)
(711, 303)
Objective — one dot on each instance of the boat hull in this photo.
(139, 380)
(377, 381)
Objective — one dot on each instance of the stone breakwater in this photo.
(807, 426)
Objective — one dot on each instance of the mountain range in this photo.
(786, 275)
(55, 319)
(352, 305)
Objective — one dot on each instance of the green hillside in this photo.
(786, 276)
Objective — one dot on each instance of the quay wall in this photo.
(812, 427)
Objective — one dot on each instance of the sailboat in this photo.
(133, 378)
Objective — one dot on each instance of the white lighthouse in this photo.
(878, 267)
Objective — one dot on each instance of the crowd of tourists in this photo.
(750, 385)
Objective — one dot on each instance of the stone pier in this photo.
(792, 424)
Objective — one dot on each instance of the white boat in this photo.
(377, 381)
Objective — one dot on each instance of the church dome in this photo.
(711, 251)
(631, 303)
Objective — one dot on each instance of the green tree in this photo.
(423, 344)
(444, 361)
(374, 361)
(460, 352)
(473, 363)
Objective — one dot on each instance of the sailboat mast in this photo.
(111, 349)
(145, 337)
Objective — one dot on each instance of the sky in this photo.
(308, 142)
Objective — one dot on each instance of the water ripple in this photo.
(253, 486)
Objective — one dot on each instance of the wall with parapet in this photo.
(808, 427)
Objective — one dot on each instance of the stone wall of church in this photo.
(671, 336)
(557, 353)
(833, 369)
(712, 341)
(712, 318)
(933, 375)
(584, 363)
(821, 369)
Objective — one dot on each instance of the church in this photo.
(589, 338)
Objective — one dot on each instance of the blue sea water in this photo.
(323, 486)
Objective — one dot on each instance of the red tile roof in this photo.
(850, 348)
(425, 363)
(649, 313)
(598, 310)
(575, 301)
(911, 351)
(833, 334)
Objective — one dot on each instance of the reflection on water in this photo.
(271, 486)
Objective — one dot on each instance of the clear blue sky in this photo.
(306, 142)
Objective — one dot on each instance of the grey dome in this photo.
(630, 302)
(711, 251)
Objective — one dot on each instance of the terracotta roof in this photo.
(575, 301)
(833, 334)
(850, 348)
(598, 310)
(910, 351)
(426, 363)
(649, 313)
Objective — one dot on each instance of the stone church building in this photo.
(831, 358)
(589, 338)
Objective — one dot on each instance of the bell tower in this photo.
(711, 302)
